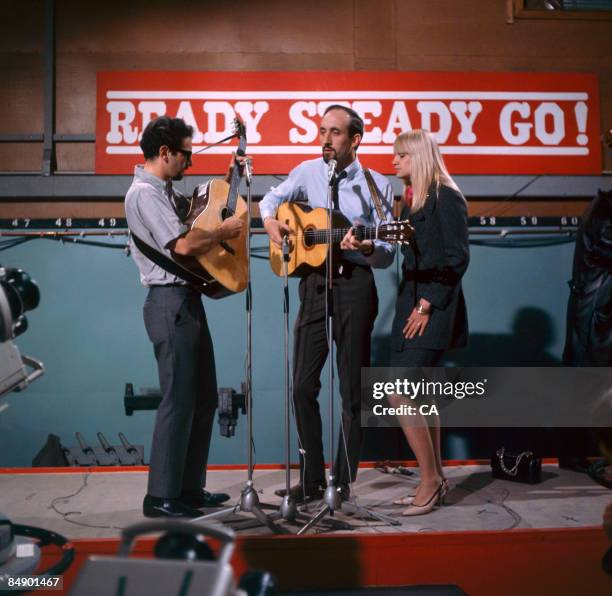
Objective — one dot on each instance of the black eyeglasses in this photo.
(186, 154)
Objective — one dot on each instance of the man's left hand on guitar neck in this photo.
(351, 242)
(241, 159)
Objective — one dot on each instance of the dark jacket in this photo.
(433, 266)
(589, 313)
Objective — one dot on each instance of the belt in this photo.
(342, 268)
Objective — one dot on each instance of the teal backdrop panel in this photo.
(88, 331)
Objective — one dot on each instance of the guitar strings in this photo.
(319, 236)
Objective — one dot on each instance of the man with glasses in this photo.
(176, 325)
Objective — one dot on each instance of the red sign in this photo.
(485, 123)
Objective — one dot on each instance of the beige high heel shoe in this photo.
(435, 500)
(407, 500)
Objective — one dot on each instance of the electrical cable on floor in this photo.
(517, 519)
(65, 515)
(513, 514)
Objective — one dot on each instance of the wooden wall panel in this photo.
(436, 35)
(196, 26)
(23, 26)
(20, 157)
(21, 92)
(375, 43)
(21, 67)
(474, 35)
(75, 157)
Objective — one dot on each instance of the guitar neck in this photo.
(232, 196)
(337, 234)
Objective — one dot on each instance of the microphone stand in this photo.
(331, 498)
(249, 500)
(288, 510)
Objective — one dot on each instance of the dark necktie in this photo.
(335, 198)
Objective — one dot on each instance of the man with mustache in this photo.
(355, 299)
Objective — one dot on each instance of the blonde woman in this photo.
(430, 314)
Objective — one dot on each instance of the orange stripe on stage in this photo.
(221, 467)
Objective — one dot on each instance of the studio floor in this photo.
(541, 539)
(99, 504)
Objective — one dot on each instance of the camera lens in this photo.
(20, 294)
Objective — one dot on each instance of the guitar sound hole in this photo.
(225, 213)
(309, 239)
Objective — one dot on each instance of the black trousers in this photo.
(355, 308)
(176, 324)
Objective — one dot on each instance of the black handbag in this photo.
(522, 467)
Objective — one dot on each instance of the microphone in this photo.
(331, 170)
(248, 171)
(285, 247)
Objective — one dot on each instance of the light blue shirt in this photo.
(309, 182)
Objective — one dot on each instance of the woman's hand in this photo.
(418, 319)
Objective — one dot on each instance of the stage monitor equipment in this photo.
(183, 563)
(18, 294)
(20, 557)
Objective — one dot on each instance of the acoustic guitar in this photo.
(308, 243)
(223, 268)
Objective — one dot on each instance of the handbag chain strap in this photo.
(514, 470)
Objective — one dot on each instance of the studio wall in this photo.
(88, 329)
(89, 333)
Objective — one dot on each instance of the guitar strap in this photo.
(167, 264)
(375, 194)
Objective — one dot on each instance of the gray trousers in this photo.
(176, 324)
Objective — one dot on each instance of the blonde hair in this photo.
(426, 164)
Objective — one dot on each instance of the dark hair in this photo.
(164, 131)
(355, 126)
